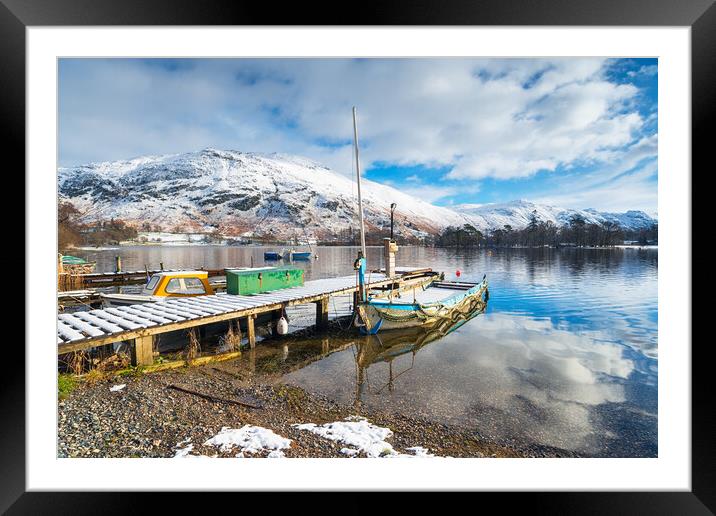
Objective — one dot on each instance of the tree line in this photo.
(538, 233)
(73, 228)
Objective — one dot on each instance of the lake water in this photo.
(565, 355)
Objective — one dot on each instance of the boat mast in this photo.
(360, 201)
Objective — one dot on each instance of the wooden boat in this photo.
(163, 285)
(435, 304)
(429, 303)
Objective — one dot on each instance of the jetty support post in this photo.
(322, 312)
(143, 351)
(117, 264)
(251, 330)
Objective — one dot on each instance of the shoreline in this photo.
(147, 418)
(129, 244)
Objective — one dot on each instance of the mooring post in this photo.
(322, 312)
(251, 330)
(389, 250)
(143, 351)
(117, 264)
(252, 360)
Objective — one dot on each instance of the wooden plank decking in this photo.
(83, 330)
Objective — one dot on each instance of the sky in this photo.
(570, 132)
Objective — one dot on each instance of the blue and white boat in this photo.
(428, 304)
(300, 255)
(437, 303)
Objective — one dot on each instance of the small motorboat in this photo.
(272, 256)
(300, 255)
(425, 306)
(163, 285)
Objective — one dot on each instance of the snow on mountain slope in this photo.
(260, 194)
(517, 214)
(280, 196)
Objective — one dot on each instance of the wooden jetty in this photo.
(140, 323)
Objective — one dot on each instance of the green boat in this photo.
(73, 260)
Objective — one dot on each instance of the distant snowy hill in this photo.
(276, 195)
(517, 214)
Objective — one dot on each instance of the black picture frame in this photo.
(700, 15)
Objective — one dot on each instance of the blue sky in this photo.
(573, 132)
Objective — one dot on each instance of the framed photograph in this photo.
(427, 233)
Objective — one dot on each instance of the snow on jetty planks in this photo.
(84, 330)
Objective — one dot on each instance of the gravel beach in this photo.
(152, 415)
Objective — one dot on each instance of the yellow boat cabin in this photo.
(162, 285)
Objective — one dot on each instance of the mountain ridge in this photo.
(277, 195)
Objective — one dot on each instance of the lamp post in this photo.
(392, 209)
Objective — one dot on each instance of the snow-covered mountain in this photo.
(274, 195)
(517, 214)
(243, 193)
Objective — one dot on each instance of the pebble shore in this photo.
(147, 418)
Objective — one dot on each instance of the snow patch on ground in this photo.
(116, 388)
(183, 452)
(419, 451)
(251, 439)
(361, 436)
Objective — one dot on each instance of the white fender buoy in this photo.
(282, 326)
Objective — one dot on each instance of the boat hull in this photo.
(384, 316)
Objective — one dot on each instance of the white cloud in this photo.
(644, 70)
(483, 118)
(632, 191)
(416, 111)
(435, 192)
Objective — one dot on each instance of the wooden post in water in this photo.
(117, 264)
(322, 312)
(251, 330)
(143, 351)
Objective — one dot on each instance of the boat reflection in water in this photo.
(388, 346)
